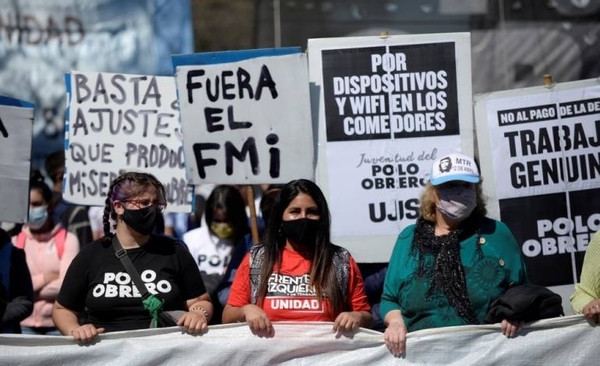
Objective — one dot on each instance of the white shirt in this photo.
(211, 253)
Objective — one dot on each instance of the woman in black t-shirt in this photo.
(98, 283)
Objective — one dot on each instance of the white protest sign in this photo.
(387, 108)
(540, 155)
(247, 122)
(121, 122)
(16, 129)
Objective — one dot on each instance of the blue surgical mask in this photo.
(37, 217)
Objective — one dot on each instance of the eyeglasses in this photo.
(147, 203)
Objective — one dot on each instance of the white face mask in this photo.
(456, 202)
(37, 217)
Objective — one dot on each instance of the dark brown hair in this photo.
(229, 200)
(37, 183)
(322, 274)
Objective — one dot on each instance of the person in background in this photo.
(201, 193)
(297, 249)
(266, 203)
(446, 269)
(134, 202)
(95, 215)
(224, 228)
(374, 276)
(257, 191)
(49, 250)
(3, 304)
(10, 228)
(74, 218)
(176, 224)
(16, 290)
(586, 298)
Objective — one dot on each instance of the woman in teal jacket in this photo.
(447, 268)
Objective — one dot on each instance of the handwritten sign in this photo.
(245, 121)
(120, 122)
(540, 147)
(16, 128)
(388, 108)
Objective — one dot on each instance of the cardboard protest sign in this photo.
(539, 150)
(245, 116)
(122, 122)
(16, 128)
(387, 108)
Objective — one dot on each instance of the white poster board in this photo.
(540, 155)
(16, 128)
(248, 121)
(122, 122)
(387, 107)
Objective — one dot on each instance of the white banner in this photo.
(387, 108)
(246, 122)
(16, 126)
(122, 122)
(559, 341)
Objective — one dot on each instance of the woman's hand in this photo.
(66, 321)
(86, 333)
(194, 322)
(258, 321)
(510, 328)
(395, 337)
(347, 321)
(592, 311)
(49, 277)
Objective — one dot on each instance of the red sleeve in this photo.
(356, 289)
(239, 295)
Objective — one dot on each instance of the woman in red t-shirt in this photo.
(297, 274)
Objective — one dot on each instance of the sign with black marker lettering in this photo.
(246, 116)
(541, 149)
(16, 129)
(388, 108)
(122, 122)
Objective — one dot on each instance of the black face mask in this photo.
(142, 220)
(301, 231)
